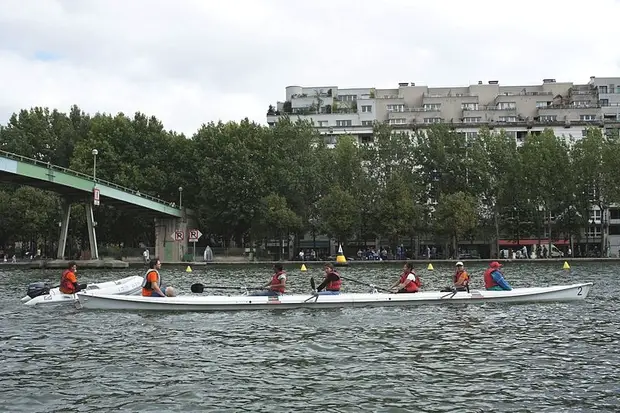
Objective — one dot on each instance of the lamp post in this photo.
(180, 197)
(313, 222)
(95, 152)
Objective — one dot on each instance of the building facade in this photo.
(565, 107)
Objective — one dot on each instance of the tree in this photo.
(456, 215)
(338, 214)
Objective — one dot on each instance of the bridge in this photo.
(76, 187)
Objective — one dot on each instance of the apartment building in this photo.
(565, 107)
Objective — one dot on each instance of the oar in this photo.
(315, 294)
(366, 284)
(199, 288)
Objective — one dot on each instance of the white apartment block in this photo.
(565, 107)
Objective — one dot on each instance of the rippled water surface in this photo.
(450, 358)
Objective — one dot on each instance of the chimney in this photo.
(493, 82)
(480, 82)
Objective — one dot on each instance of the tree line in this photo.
(250, 183)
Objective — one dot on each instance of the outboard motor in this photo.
(37, 289)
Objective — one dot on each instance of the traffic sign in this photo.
(178, 235)
(194, 235)
(96, 196)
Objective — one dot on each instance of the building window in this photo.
(540, 105)
(603, 102)
(595, 214)
(470, 119)
(343, 123)
(432, 106)
(548, 118)
(469, 106)
(322, 123)
(366, 109)
(347, 98)
(507, 118)
(511, 134)
(367, 122)
(506, 105)
(594, 231)
(471, 135)
(398, 121)
(587, 117)
(602, 89)
(432, 120)
(396, 108)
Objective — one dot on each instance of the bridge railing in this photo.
(49, 165)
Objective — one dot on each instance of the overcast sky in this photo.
(189, 62)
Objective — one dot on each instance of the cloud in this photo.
(189, 62)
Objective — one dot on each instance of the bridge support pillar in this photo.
(65, 210)
(167, 247)
(92, 235)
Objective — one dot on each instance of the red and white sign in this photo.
(194, 235)
(96, 196)
(178, 235)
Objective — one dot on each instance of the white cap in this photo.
(459, 263)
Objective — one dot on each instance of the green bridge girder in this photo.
(17, 169)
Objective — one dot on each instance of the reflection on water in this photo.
(466, 358)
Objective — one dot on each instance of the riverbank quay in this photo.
(241, 261)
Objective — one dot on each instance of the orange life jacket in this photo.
(66, 283)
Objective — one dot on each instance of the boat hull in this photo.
(99, 301)
(125, 286)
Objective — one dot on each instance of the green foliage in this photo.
(248, 182)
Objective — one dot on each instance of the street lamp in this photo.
(180, 197)
(95, 152)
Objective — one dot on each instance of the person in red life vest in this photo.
(332, 281)
(277, 284)
(408, 282)
(152, 285)
(68, 280)
(494, 278)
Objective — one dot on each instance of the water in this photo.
(461, 358)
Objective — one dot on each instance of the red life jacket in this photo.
(275, 281)
(334, 285)
(66, 286)
(413, 286)
(489, 282)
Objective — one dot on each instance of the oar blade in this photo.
(197, 288)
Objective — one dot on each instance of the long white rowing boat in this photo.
(124, 286)
(99, 301)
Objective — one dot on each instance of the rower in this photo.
(68, 280)
(494, 278)
(332, 281)
(152, 284)
(408, 282)
(277, 284)
(460, 280)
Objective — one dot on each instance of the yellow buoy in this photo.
(303, 267)
(430, 267)
(188, 269)
(566, 266)
(340, 259)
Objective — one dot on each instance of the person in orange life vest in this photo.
(332, 281)
(152, 283)
(408, 282)
(68, 280)
(277, 283)
(494, 278)
(461, 277)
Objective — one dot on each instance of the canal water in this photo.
(452, 358)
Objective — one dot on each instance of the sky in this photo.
(189, 62)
